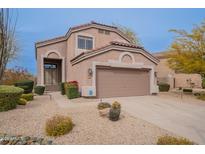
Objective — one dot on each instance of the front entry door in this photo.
(51, 75)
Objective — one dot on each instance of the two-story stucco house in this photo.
(101, 58)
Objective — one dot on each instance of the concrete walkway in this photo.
(184, 117)
(63, 102)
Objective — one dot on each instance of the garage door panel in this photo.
(116, 82)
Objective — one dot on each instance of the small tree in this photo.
(187, 52)
(129, 33)
(8, 45)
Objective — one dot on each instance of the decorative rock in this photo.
(39, 140)
(34, 139)
(49, 142)
(104, 112)
(22, 140)
(4, 142)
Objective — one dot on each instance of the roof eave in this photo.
(108, 48)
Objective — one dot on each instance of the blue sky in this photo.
(151, 25)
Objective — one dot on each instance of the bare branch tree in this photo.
(8, 44)
(129, 33)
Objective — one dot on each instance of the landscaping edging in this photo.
(6, 139)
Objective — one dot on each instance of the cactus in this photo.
(114, 114)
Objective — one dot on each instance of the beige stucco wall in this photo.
(79, 71)
(100, 40)
(68, 48)
(165, 74)
(183, 80)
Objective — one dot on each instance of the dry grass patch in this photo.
(58, 125)
(169, 140)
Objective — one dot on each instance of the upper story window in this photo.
(85, 42)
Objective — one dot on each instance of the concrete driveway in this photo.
(184, 117)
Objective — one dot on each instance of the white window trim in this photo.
(77, 50)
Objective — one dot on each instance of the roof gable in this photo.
(80, 28)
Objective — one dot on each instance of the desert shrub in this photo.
(72, 89)
(15, 74)
(58, 125)
(73, 84)
(22, 101)
(203, 83)
(116, 105)
(115, 110)
(62, 88)
(201, 97)
(186, 90)
(28, 97)
(114, 114)
(27, 85)
(72, 92)
(163, 87)
(103, 105)
(70, 84)
(169, 140)
(39, 90)
(9, 97)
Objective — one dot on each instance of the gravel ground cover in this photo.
(89, 127)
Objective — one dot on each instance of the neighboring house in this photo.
(176, 80)
(102, 60)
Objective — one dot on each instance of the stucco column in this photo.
(41, 71)
(63, 69)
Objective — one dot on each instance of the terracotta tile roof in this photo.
(126, 44)
(88, 24)
(53, 39)
(97, 23)
(87, 52)
(116, 44)
(74, 28)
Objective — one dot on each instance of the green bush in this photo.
(186, 90)
(163, 87)
(39, 90)
(58, 125)
(72, 92)
(9, 97)
(103, 105)
(203, 83)
(28, 97)
(27, 85)
(22, 101)
(62, 88)
(169, 140)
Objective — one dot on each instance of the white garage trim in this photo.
(118, 64)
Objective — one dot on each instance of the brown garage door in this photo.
(121, 82)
